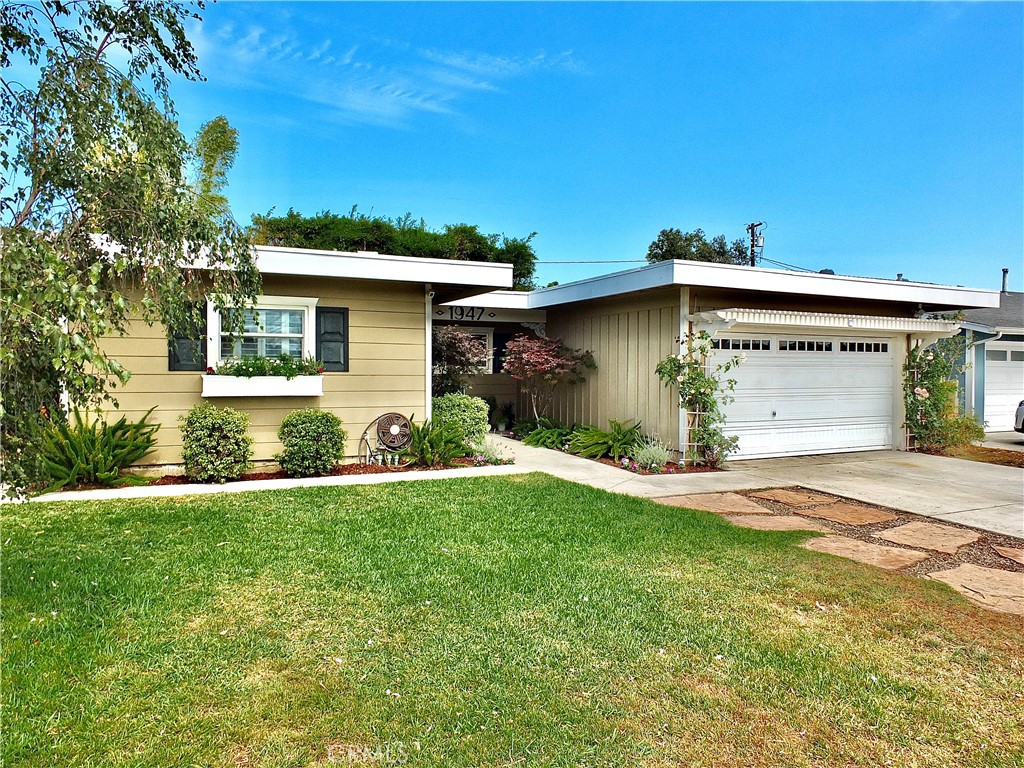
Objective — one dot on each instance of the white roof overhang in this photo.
(469, 276)
(761, 280)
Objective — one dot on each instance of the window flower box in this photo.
(216, 385)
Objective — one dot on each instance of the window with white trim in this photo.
(863, 346)
(276, 325)
(755, 345)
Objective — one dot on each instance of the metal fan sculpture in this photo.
(384, 439)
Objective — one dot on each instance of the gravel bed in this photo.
(978, 553)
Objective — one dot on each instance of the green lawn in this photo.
(486, 622)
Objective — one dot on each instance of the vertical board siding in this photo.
(628, 336)
(387, 358)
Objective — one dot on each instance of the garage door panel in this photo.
(796, 440)
(1004, 384)
(803, 402)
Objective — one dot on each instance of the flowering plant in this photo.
(702, 391)
(282, 365)
(930, 397)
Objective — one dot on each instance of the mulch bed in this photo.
(978, 553)
(671, 468)
(999, 456)
(339, 471)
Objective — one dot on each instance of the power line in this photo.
(784, 264)
(598, 261)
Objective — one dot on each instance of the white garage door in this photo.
(1004, 383)
(799, 394)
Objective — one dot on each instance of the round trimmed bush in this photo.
(313, 442)
(216, 443)
(467, 413)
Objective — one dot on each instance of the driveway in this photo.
(1009, 441)
(972, 493)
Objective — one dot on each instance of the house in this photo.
(824, 353)
(823, 370)
(365, 316)
(993, 384)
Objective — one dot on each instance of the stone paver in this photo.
(722, 503)
(1017, 555)
(793, 498)
(777, 523)
(850, 514)
(938, 538)
(890, 558)
(991, 588)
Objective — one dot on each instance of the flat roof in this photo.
(370, 265)
(731, 277)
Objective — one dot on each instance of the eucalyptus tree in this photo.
(102, 225)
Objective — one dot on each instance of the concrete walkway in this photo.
(981, 495)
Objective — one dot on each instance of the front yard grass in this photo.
(480, 622)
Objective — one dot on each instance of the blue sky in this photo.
(872, 138)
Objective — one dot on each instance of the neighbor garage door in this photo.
(799, 394)
(1004, 383)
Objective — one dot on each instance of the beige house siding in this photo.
(628, 336)
(386, 367)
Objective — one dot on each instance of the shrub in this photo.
(313, 441)
(79, 452)
(650, 454)
(467, 413)
(436, 445)
(548, 434)
(522, 428)
(456, 355)
(594, 443)
(216, 443)
(282, 365)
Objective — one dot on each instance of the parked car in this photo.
(1018, 418)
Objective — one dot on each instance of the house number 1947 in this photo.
(465, 313)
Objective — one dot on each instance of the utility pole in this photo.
(756, 240)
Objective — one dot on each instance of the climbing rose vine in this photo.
(702, 391)
(930, 397)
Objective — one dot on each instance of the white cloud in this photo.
(387, 83)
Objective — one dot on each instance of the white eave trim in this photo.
(370, 265)
(495, 300)
(730, 318)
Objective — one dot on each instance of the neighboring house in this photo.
(824, 353)
(993, 384)
(367, 317)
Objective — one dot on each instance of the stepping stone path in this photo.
(890, 558)
(1017, 555)
(991, 588)
(721, 503)
(793, 498)
(938, 538)
(777, 523)
(850, 514)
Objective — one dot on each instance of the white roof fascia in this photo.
(495, 300)
(731, 277)
(370, 265)
(735, 317)
(628, 281)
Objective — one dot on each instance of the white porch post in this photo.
(684, 331)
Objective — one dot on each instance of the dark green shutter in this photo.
(332, 338)
(186, 347)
